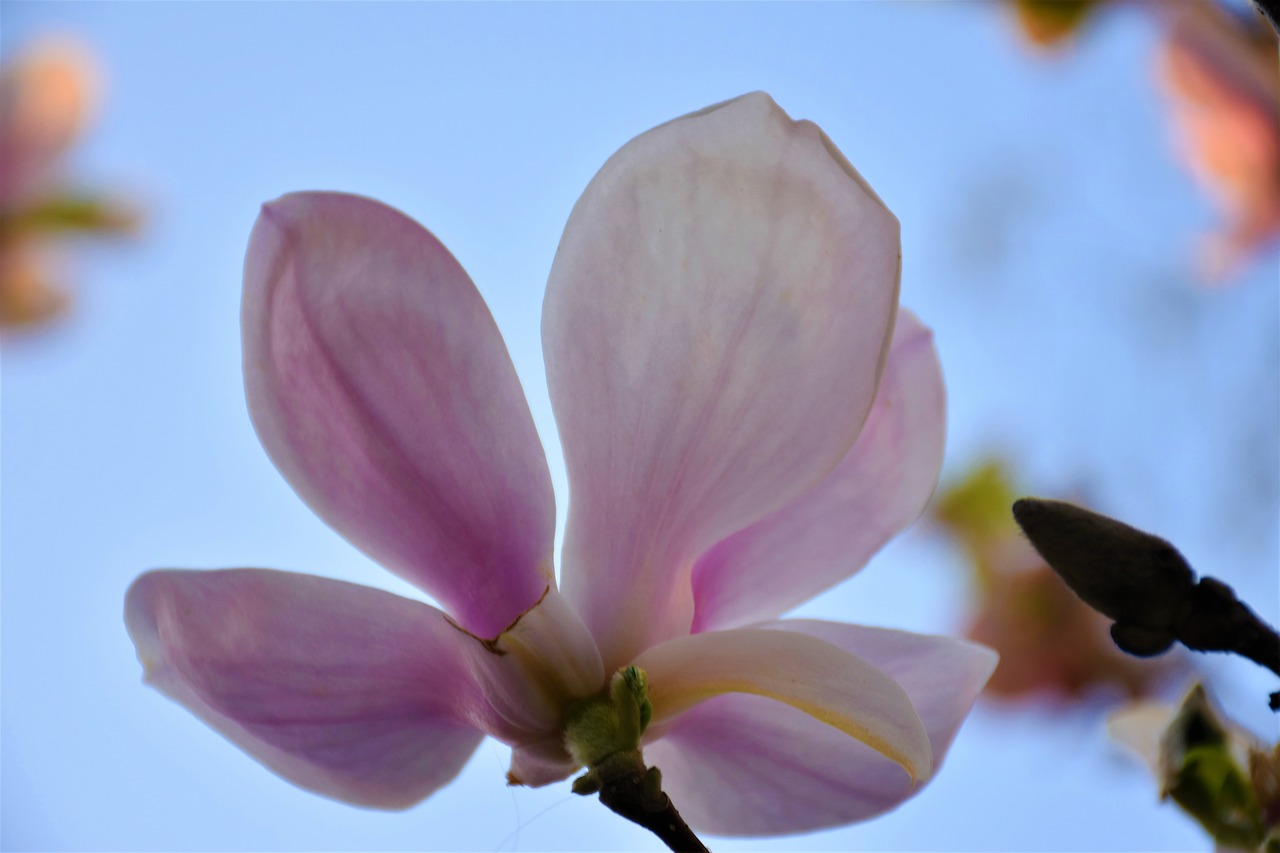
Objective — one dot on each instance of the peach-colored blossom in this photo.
(49, 92)
(1221, 82)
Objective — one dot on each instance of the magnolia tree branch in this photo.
(1142, 583)
(1270, 10)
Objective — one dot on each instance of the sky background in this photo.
(1049, 237)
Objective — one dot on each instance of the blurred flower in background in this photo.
(48, 95)
(1215, 770)
(1219, 72)
(1052, 645)
(1221, 80)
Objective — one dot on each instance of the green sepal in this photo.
(1203, 776)
(1212, 788)
(602, 726)
(634, 692)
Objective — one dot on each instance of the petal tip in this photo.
(139, 621)
(269, 215)
(986, 660)
(275, 213)
(918, 764)
(136, 597)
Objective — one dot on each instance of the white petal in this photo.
(826, 682)
(715, 324)
(744, 765)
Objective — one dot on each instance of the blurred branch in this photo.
(1270, 10)
(65, 213)
(1142, 583)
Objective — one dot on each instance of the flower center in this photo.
(602, 733)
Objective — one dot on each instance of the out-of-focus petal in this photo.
(1224, 99)
(830, 531)
(344, 690)
(715, 323)
(381, 389)
(742, 765)
(48, 92)
(838, 690)
(1160, 733)
(28, 295)
(541, 763)
(1139, 726)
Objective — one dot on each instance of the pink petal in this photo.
(715, 323)
(1140, 726)
(835, 689)
(381, 389)
(830, 531)
(543, 663)
(541, 763)
(742, 765)
(351, 692)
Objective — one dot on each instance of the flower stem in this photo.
(603, 733)
(636, 794)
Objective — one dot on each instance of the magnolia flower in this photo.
(744, 425)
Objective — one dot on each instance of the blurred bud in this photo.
(1051, 643)
(1215, 771)
(1052, 23)
(1222, 85)
(48, 94)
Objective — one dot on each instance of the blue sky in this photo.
(1048, 237)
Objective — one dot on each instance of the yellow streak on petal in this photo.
(827, 683)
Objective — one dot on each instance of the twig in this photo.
(637, 796)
